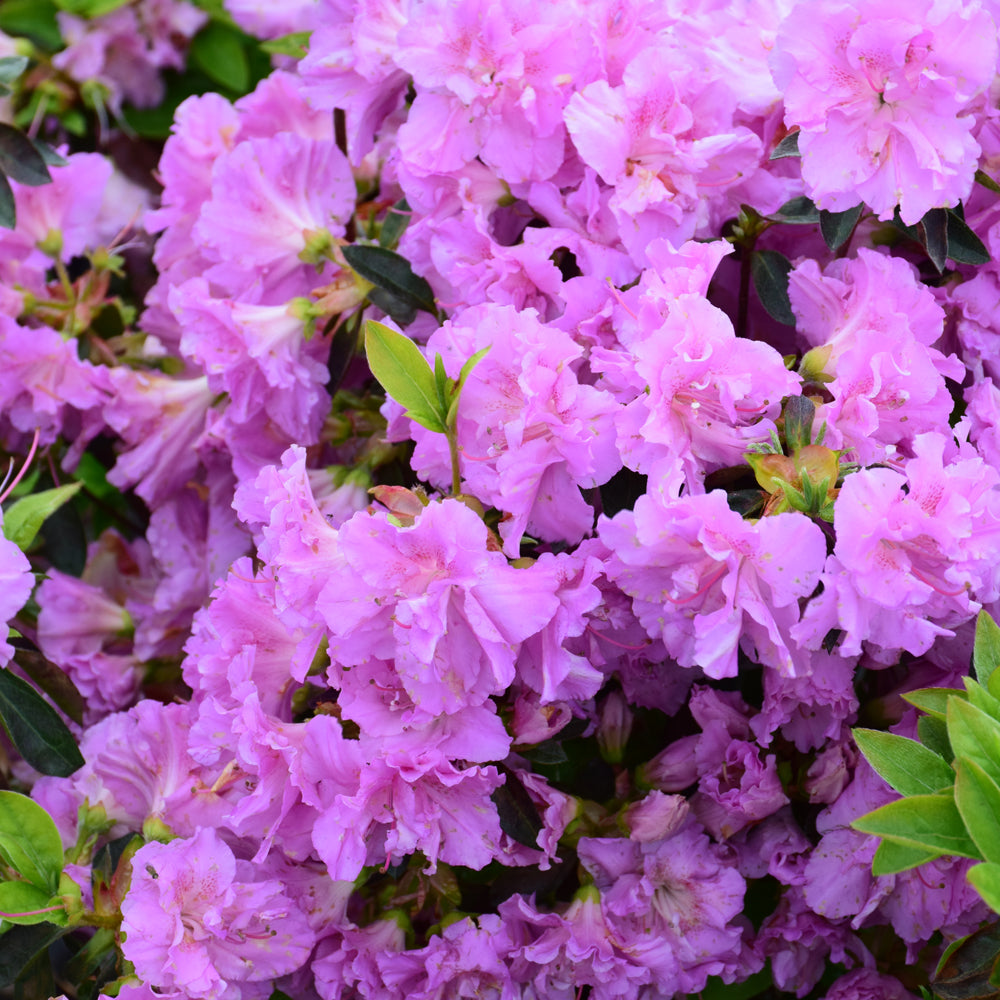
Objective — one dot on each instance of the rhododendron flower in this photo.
(199, 921)
(16, 582)
(883, 95)
(704, 580)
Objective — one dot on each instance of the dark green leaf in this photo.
(911, 231)
(975, 735)
(799, 415)
(933, 733)
(986, 649)
(8, 209)
(518, 814)
(11, 67)
(770, 278)
(837, 227)
(549, 752)
(799, 211)
(931, 822)
(935, 228)
(891, 858)
(964, 246)
(48, 154)
(20, 945)
(66, 540)
(35, 729)
(789, 146)
(218, 51)
(719, 989)
(909, 767)
(21, 901)
(966, 966)
(395, 223)
(30, 842)
(24, 519)
(388, 270)
(933, 701)
(987, 182)
(404, 374)
(978, 799)
(19, 159)
(747, 503)
(35, 19)
(395, 308)
(53, 681)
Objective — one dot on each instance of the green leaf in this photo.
(933, 733)
(964, 246)
(931, 822)
(975, 735)
(789, 146)
(35, 728)
(799, 211)
(892, 857)
(48, 154)
(442, 383)
(24, 519)
(935, 229)
(8, 208)
(799, 415)
(19, 159)
(909, 767)
(549, 752)
(90, 8)
(395, 223)
(30, 842)
(388, 270)
(987, 182)
(404, 374)
(54, 682)
(933, 701)
(719, 989)
(398, 310)
(11, 67)
(986, 649)
(967, 965)
(769, 270)
(21, 945)
(23, 898)
(837, 227)
(35, 19)
(518, 813)
(218, 51)
(982, 699)
(295, 45)
(977, 796)
(460, 384)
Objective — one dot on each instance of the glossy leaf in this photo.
(798, 211)
(935, 228)
(8, 208)
(23, 520)
(35, 728)
(986, 648)
(977, 796)
(20, 903)
(892, 857)
(964, 246)
(931, 822)
(54, 682)
(20, 945)
(987, 182)
(837, 227)
(769, 270)
(19, 159)
(30, 842)
(518, 814)
(975, 735)
(390, 271)
(909, 767)
(404, 374)
(789, 146)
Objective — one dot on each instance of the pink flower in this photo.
(16, 582)
(199, 921)
(883, 94)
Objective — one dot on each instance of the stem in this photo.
(456, 475)
(743, 303)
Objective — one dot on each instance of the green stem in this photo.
(456, 475)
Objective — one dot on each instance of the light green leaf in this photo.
(90, 8)
(978, 799)
(981, 698)
(295, 45)
(404, 374)
(975, 735)
(17, 898)
(24, 519)
(460, 384)
(909, 767)
(986, 649)
(892, 857)
(931, 822)
(985, 879)
(30, 842)
(933, 733)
